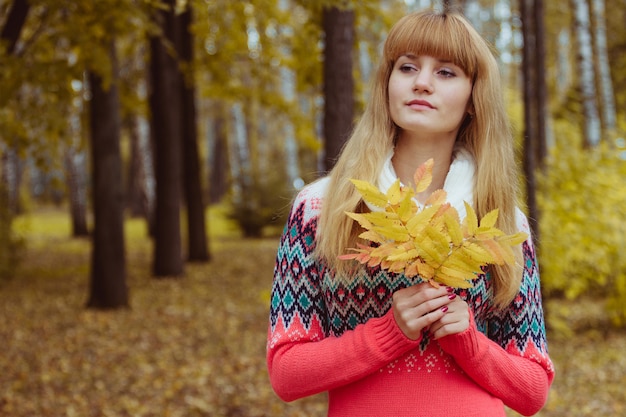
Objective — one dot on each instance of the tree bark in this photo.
(531, 127)
(14, 24)
(541, 89)
(591, 122)
(197, 245)
(338, 27)
(218, 164)
(75, 171)
(108, 265)
(165, 111)
(136, 198)
(604, 68)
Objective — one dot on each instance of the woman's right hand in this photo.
(417, 307)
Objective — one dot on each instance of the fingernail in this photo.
(450, 289)
(452, 296)
(444, 309)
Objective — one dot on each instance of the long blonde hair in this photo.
(486, 134)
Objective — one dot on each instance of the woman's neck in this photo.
(411, 154)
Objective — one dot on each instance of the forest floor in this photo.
(195, 346)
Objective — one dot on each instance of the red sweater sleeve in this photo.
(520, 382)
(299, 366)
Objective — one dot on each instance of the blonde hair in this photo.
(486, 134)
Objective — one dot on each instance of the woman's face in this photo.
(428, 96)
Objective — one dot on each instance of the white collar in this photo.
(459, 183)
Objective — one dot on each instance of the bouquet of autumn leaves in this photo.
(430, 242)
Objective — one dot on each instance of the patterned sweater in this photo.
(326, 335)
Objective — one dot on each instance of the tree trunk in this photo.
(165, 111)
(541, 89)
(197, 250)
(12, 171)
(9, 35)
(338, 27)
(136, 199)
(218, 164)
(585, 59)
(14, 24)
(604, 68)
(531, 128)
(75, 171)
(108, 266)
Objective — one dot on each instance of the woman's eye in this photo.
(406, 68)
(446, 73)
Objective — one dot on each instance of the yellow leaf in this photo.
(487, 233)
(437, 197)
(489, 220)
(417, 223)
(459, 259)
(453, 272)
(361, 219)
(394, 193)
(451, 219)
(382, 218)
(423, 176)
(429, 252)
(393, 232)
(452, 281)
(439, 240)
(494, 250)
(425, 270)
(514, 239)
(372, 236)
(407, 207)
(476, 252)
(403, 255)
(370, 193)
(471, 220)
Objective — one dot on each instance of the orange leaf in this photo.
(423, 176)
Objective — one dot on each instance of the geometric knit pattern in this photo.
(309, 304)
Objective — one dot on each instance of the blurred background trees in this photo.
(240, 104)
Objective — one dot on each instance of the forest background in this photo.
(149, 151)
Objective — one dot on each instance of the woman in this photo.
(382, 344)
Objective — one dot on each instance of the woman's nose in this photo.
(423, 81)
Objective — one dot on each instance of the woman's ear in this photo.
(470, 110)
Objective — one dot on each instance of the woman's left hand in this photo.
(456, 320)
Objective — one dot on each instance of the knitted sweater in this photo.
(326, 335)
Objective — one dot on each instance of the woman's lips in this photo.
(420, 103)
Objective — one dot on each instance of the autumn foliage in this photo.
(428, 242)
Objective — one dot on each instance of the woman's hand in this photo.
(456, 319)
(419, 307)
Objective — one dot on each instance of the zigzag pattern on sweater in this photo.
(305, 292)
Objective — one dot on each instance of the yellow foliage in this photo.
(582, 202)
(429, 242)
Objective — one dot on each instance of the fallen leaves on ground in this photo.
(195, 346)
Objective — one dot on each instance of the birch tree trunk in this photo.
(76, 173)
(585, 59)
(604, 69)
(218, 157)
(541, 93)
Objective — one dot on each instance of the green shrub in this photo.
(260, 204)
